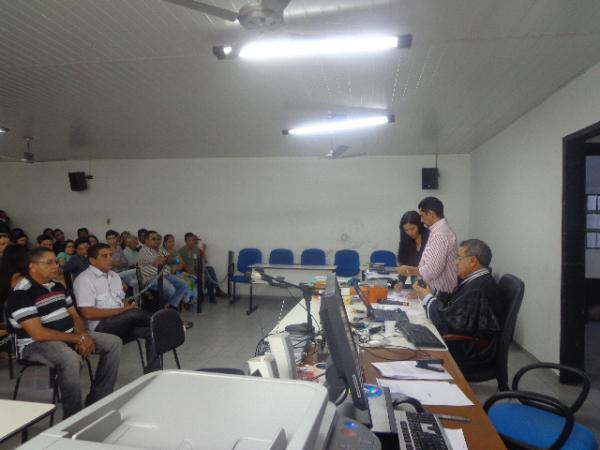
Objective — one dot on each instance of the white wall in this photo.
(516, 193)
(240, 202)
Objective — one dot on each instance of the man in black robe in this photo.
(475, 308)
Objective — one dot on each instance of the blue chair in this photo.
(246, 257)
(347, 262)
(384, 256)
(281, 256)
(539, 421)
(312, 257)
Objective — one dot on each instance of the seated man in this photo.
(475, 308)
(43, 240)
(152, 259)
(189, 255)
(49, 331)
(131, 250)
(100, 295)
(78, 262)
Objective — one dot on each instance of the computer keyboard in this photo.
(381, 315)
(420, 431)
(419, 335)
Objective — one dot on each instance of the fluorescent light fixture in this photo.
(224, 52)
(292, 48)
(227, 50)
(335, 126)
(4, 130)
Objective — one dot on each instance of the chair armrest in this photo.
(458, 337)
(545, 402)
(548, 365)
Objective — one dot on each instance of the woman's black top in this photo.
(409, 256)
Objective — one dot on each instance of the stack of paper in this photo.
(428, 392)
(408, 370)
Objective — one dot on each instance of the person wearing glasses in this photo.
(49, 331)
(476, 306)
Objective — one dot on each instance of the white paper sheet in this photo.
(428, 392)
(456, 438)
(408, 370)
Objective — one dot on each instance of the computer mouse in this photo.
(378, 342)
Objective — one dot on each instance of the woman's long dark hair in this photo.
(14, 260)
(406, 242)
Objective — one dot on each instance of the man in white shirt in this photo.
(99, 295)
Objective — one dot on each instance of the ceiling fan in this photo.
(262, 15)
(28, 156)
(338, 153)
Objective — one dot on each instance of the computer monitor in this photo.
(343, 351)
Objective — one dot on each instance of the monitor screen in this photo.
(338, 334)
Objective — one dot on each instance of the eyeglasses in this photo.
(459, 258)
(49, 262)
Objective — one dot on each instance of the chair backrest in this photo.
(281, 256)
(384, 256)
(513, 289)
(247, 257)
(312, 257)
(167, 331)
(347, 262)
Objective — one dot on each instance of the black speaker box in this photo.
(78, 181)
(429, 178)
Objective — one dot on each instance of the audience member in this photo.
(78, 262)
(59, 241)
(83, 233)
(12, 269)
(475, 308)
(413, 238)
(43, 240)
(190, 253)
(119, 260)
(437, 266)
(131, 250)
(151, 261)
(176, 265)
(123, 238)
(49, 232)
(100, 295)
(49, 331)
(4, 242)
(92, 239)
(66, 254)
(4, 222)
(142, 235)
(19, 237)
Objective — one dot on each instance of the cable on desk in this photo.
(304, 307)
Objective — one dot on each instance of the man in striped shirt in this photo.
(475, 308)
(49, 331)
(437, 266)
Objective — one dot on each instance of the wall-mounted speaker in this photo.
(78, 181)
(429, 178)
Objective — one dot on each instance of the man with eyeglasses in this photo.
(49, 331)
(475, 308)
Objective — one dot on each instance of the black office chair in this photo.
(539, 421)
(496, 366)
(168, 334)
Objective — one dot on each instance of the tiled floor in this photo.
(224, 336)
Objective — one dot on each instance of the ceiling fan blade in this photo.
(354, 155)
(222, 13)
(275, 5)
(339, 151)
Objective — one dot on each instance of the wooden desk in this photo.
(479, 433)
(17, 416)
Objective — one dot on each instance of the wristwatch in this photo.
(82, 338)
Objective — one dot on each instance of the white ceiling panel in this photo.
(137, 79)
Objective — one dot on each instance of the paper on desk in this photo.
(408, 370)
(456, 438)
(428, 392)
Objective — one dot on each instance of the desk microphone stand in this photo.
(307, 291)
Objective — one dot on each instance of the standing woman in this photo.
(413, 237)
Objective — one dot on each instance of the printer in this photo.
(194, 410)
